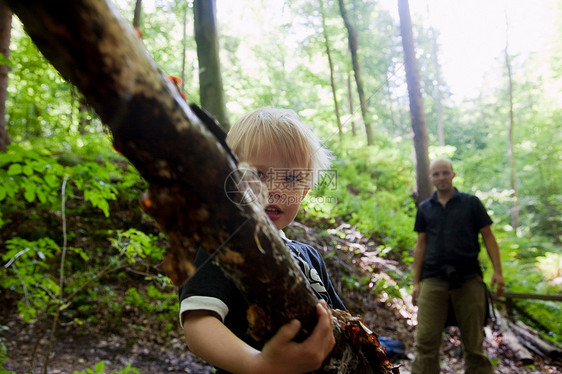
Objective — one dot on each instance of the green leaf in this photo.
(42, 196)
(51, 180)
(27, 170)
(4, 60)
(100, 366)
(14, 169)
(10, 187)
(29, 193)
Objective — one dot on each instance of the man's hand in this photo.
(282, 355)
(497, 281)
(415, 293)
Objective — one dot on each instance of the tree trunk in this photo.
(196, 194)
(83, 118)
(184, 47)
(331, 65)
(137, 16)
(437, 88)
(350, 103)
(514, 207)
(417, 115)
(353, 46)
(5, 34)
(210, 80)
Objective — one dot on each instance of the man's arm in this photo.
(494, 253)
(211, 340)
(419, 255)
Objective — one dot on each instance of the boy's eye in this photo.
(293, 178)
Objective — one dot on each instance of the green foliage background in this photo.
(107, 239)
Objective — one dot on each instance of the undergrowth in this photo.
(72, 233)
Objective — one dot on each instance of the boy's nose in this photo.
(274, 196)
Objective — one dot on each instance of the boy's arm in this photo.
(419, 255)
(494, 253)
(211, 340)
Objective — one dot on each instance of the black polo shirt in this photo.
(452, 234)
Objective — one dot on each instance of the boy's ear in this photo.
(304, 193)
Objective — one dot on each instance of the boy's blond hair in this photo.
(279, 130)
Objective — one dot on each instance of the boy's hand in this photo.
(281, 355)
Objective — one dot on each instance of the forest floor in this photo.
(140, 341)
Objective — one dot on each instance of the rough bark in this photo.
(195, 193)
(417, 115)
(353, 47)
(210, 79)
(5, 34)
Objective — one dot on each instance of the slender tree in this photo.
(137, 15)
(417, 116)
(350, 103)
(5, 34)
(184, 47)
(353, 47)
(331, 66)
(437, 88)
(510, 151)
(211, 89)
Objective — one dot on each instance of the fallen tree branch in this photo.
(520, 353)
(534, 342)
(514, 295)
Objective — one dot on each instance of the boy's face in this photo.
(287, 185)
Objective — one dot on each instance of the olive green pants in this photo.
(469, 303)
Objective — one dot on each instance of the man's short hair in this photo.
(441, 160)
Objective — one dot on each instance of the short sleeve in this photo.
(420, 225)
(207, 289)
(481, 216)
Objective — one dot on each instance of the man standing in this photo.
(447, 271)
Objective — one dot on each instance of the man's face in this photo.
(287, 185)
(441, 175)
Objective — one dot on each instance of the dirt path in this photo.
(140, 341)
(76, 350)
(79, 349)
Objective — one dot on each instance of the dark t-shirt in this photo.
(452, 234)
(210, 282)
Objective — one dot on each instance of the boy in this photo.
(287, 155)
